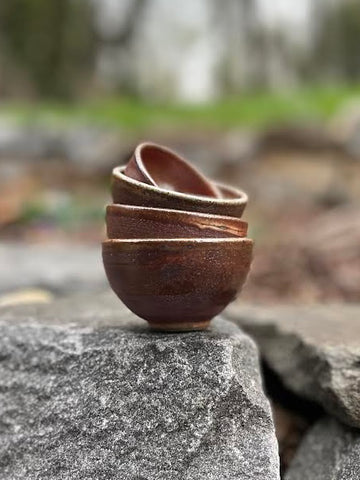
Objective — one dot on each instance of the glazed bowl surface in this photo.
(159, 166)
(127, 191)
(129, 221)
(177, 284)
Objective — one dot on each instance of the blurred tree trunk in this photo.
(337, 38)
(50, 41)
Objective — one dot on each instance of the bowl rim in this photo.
(242, 199)
(115, 207)
(181, 241)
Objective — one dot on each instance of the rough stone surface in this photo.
(314, 349)
(87, 391)
(54, 267)
(329, 451)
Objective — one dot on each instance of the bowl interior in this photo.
(164, 168)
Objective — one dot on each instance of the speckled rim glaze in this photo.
(233, 225)
(174, 155)
(138, 159)
(241, 199)
(180, 241)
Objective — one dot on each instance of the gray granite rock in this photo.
(329, 451)
(314, 349)
(54, 267)
(87, 391)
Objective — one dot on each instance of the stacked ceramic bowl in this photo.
(177, 251)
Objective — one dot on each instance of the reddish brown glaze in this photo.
(128, 191)
(177, 284)
(178, 252)
(128, 221)
(161, 167)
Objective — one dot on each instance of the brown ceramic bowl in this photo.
(129, 221)
(177, 284)
(161, 167)
(127, 191)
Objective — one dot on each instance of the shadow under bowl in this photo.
(127, 191)
(129, 221)
(177, 284)
(161, 167)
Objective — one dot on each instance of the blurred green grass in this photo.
(255, 110)
(67, 216)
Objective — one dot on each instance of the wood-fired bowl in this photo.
(159, 166)
(129, 221)
(127, 191)
(177, 284)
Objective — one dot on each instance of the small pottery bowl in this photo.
(177, 284)
(159, 166)
(129, 221)
(127, 191)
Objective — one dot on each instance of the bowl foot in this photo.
(179, 326)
